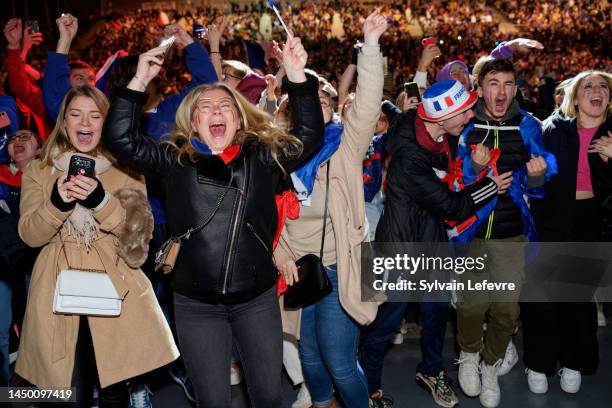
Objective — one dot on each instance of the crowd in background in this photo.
(572, 31)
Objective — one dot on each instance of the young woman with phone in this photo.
(80, 223)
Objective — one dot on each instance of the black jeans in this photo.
(85, 375)
(565, 333)
(206, 333)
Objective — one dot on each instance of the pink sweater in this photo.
(583, 181)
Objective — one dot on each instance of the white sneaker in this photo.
(490, 395)
(601, 317)
(397, 338)
(303, 398)
(469, 377)
(403, 327)
(510, 359)
(538, 383)
(570, 380)
(236, 374)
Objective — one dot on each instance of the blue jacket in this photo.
(56, 83)
(531, 133)
(8, 106)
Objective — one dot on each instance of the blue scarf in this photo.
(200, 146)
(305, 174)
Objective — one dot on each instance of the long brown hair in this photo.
(255, 125)
(58, 141)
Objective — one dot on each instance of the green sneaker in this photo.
(439, 387)
(379, 400)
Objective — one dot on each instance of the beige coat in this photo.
(346, 198)
(136, 342)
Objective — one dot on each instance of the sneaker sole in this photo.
(421, 382)
(183, 386)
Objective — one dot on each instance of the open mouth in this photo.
(84, 137)
(596, 102)
(500, 102)
(217, 129)
(18, 148)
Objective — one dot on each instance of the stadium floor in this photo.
(398, 381)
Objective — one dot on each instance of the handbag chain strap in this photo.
(187, 234)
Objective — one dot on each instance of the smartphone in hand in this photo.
(412, 91)
(429, 41)
(80, 165)
(167, 44)
(33, 25)
(199, 31)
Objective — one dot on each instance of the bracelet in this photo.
(142, 83)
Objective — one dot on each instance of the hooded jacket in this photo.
(417, 200)
(517, 136)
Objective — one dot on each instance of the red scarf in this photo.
(425, 140)
(6, 177)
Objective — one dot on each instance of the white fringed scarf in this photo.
(81, 223)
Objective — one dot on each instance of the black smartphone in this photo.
(199, 31)
(81, 165)
(33, 24)
(412, 90)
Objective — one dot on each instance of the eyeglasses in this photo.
(209, 106)
(224, 76)
(22, 137)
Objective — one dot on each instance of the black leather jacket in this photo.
(230, 260)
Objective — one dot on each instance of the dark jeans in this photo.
(85, 375)
(565, 333)
(434, 316)
(206, 333)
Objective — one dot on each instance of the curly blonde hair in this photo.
(255, 125)
(58, 141)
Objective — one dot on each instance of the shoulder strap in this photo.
(325, 210)
(191, 230)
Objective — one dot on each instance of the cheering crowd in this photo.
(164, 204)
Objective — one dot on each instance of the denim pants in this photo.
(6, 315)
(206, 333)
(434, 316)
(328, 349)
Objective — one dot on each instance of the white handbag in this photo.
(85, 292)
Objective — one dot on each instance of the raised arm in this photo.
(307, 115)
(349, 75)
(365, 110)
(24, 90)
(215, 31)
(121, 133)
(56, 81)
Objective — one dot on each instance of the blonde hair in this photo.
(255, 125)
(570, 100)
(401, 98)
(58, 141)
